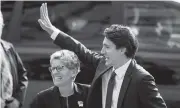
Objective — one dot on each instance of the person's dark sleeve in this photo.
(86, 56)
(22, 78)
(149, 94)
(36, 102)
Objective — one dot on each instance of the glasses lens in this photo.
(59, 68)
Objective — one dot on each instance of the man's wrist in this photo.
(55, 33)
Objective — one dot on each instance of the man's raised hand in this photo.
(44, 21)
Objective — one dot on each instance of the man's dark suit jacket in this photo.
(51, 98)
(18, 72)
(138, 89)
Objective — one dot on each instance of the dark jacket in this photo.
(18, 71)
(138, 89)
(51, 98)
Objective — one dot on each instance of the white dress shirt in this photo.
(120, 72)
(55, 34)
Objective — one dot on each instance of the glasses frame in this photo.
(57, 68)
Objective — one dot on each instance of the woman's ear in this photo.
(74, 73)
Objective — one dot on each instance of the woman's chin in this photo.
(58, 84)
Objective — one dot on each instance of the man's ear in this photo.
(122, 50)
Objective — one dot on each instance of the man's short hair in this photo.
(122, 37)
(68, 58)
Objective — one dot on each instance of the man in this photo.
(65, 93)
(119, 82)
(13, 75)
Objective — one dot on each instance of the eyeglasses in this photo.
(58, 68)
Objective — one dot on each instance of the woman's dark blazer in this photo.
(50, 98)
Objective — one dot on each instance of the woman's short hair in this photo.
(68, 58)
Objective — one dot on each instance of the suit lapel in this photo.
(102, 68)
(125, 84)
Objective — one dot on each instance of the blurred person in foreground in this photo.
(65, 93)
(119, 82)
(13, 77)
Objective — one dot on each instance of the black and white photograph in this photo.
(90, 54)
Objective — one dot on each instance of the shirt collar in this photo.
(122, 70)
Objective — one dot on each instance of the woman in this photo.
(65, 93)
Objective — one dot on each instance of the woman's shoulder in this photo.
(83, 87)
(47, 91)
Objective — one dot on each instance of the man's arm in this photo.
(22, 78)
(65, 41)
(149, 94)
(86, 56)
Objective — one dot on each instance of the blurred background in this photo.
(155, 23)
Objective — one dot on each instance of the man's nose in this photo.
(102, 51)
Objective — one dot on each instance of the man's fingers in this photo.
(46, 27)
(45, 9)
(39, 20)
(44, 18)
(41, 12)
(42, 23)
(44, 15)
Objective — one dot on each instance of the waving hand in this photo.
(44, 20)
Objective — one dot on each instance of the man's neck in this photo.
(67, 90)
(123, 61)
